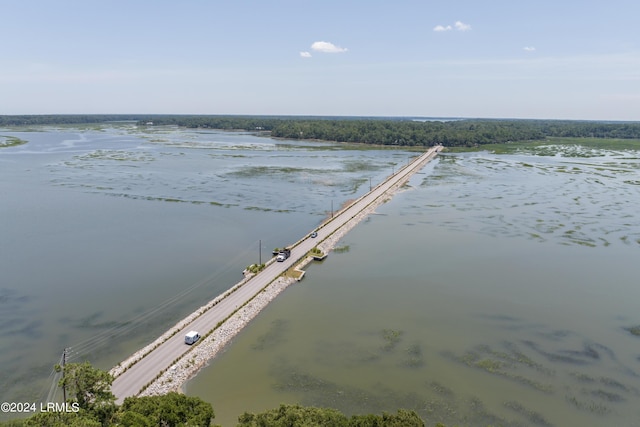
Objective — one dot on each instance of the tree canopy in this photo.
(170, 410)
(301, 416)
(89, 387)
(400, 131)
(408, 132)
(89, 391)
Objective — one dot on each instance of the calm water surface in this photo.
(111, 234)
(495, 290)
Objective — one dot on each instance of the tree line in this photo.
(64, 119)
(91, 403)
(407, 132)
(369, 130)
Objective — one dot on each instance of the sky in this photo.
(559, 59)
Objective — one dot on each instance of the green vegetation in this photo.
(255, 268)
(341, 249)
(295, 415)
(63, 119)
(93, 405)
(550, 146)
(414, 357)
(10, 141)
(407, 132)
(89, 387)
(635, 330)
(172, 409)
(506, 364)
(534, 417)
(315, 251)
(400, 131)
(391, 338)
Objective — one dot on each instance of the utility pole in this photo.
(259, 252)
(64, 386)
(369, 183)
(331, 208)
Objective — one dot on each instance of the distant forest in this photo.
(369, 130)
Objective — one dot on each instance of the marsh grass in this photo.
(532, 416)
(257, 171)
(607, 396)
(391, 338)
(573, 147)
(114, 155)
(588, 405)
(414, 357)
(584, 378)
(505, 364)
(10, 141)
(314, 390)
(634, 330)
(441, 389)
(341, 249)
(360, 166)
(171, 200)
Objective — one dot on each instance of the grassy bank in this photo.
(538, 146)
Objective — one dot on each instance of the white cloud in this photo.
(327, 47)
(440, 28)
(305, 54)
(462, 27)
(529, 48)
(459, 26)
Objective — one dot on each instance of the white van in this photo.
(191, 337)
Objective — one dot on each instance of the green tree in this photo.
(62, 419)
(88, 386)
(300, 416)
(294, 416)
(403, 418)
(170, 410)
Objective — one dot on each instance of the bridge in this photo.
(131, 381)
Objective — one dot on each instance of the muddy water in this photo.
(495, 290)
(111, 234)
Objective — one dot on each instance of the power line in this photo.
(91, 344)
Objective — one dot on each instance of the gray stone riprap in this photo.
(131, 360)
(189, 364)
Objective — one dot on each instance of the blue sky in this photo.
(560, 59)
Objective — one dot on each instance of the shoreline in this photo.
(187, 367)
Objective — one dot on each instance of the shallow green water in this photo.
(111, 234)
(496, 291)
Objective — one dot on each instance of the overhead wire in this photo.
(53, 380)
(89, 345)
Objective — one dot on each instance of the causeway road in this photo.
(136, 377)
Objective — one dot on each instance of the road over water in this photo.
(134, 379)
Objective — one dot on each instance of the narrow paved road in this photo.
(130, 382)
